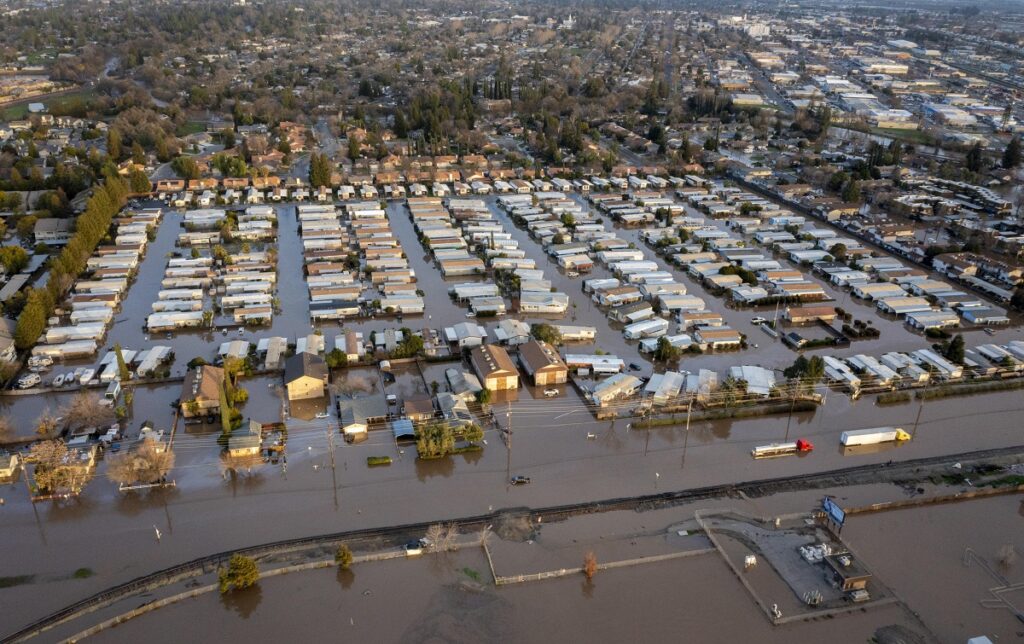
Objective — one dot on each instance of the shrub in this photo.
(242, 572)
(343, 556)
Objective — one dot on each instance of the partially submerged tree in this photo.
(56, 471)
(87, 410)
(343, 556)
(241, 573)
(150, 462)
(47, 424)
(590, 565)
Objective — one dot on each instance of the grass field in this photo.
(20, 109)
(190, 127)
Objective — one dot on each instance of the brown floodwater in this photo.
(435, 599)
(113, 533)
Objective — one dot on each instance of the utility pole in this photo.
(917, 420)
(508, 442)
(792, 405)
(686, 435)
(334, 470)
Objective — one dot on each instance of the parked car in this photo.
(29, 380)
(989, 331)
(323, 414)
(550, 393)
(634, 366)
(758, 320)
(520, 480)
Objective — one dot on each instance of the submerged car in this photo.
(520, 480)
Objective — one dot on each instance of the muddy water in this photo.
(113, 533)
(435, 599)
(209, 514)
(922, 557)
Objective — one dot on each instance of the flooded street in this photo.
(113, 533)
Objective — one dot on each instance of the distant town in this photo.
(284, 284)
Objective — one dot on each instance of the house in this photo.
(418, 409)
(52, 231)
(542, 363)
(495, 369)
(200, 392)
(246, 443)
(620, 385)
(305, 376)
(358, 414)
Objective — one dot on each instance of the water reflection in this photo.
(587, 588)
(345, 578)
(427, 469)
(243, 602)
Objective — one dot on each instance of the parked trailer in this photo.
(801, 446)
(873, 436)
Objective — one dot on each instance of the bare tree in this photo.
(87, 410)
(435, 534)
(148, 463)
(47, 424)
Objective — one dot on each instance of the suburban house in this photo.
(358, 414)
(305, 376)
(52, 231)
(542, 363)
(200, 392)
(495, 369)
(418, 409)
(246, 443)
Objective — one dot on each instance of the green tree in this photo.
(472, 433)
(974, 159)
(13, 258)
(185, 167)
(139, 182)
(666, 352)
(838, 251)
(955, 349)
(1012, 153)
(319, 170)
(114, 147)
(343, 556)
(241, 572)
(336, 359)
(138, 153)
(122, 366)
(851, 191)
(546, 333)
(434, 440)
(354, 144)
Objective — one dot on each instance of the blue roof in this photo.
(403, 429)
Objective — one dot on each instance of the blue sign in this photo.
(834, 511)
